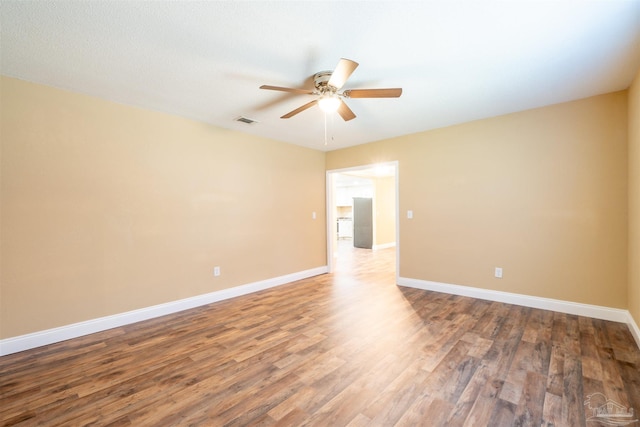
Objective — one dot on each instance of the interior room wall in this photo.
(541, 193)
(634, 199)
(108, 208)
(385, 210)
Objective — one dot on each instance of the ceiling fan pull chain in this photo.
(325, 128)
(333, 121)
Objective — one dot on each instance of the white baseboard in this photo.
(579, 309)
(635, 330)
(384, 246)
(49, 336)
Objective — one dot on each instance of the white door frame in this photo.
(331, 211)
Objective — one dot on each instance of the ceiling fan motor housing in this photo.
(321, 82)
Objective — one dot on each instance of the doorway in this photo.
(379, 183)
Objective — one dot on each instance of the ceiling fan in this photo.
(327, 89)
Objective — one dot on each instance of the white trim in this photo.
(49, 336)
(330, 205)
(633, 327)
(384, 246)
(397, 201)
(331, 218)
(595, 311)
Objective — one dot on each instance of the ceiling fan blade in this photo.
(345, 112)
(373, 93)
(342, 72)
(300, 109)
(287, 89)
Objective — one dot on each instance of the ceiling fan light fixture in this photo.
(329, 103)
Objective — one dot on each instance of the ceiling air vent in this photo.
(246, 120)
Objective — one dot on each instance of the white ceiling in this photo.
(456, 60)
(363, 176)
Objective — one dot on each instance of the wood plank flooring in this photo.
(346, 349)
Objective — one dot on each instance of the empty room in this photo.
(323, 213)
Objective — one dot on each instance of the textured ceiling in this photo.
(456, 61)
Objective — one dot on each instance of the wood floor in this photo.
(350, 348)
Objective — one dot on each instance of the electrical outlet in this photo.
(498, 272)
(216, 271)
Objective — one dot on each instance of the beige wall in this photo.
(108, 208)
(634, 199)
(541, 193)
(385, 210)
